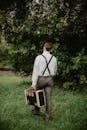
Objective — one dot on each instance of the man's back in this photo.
(40, 65)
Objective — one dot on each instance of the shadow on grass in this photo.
(4, 125)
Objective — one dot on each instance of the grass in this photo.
(69, 109)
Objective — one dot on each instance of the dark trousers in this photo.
(46, 82)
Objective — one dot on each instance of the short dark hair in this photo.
(48, 46)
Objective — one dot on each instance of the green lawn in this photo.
(69, 109)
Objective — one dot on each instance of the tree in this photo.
(27, 24)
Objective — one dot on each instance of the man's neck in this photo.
(45, 51)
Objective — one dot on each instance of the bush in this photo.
(71, 72)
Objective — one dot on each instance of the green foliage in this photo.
(71, 70)
(4, 55)
(27, 24)
(22, 60)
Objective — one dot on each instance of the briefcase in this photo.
(35, 97)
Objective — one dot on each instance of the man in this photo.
(45, 68)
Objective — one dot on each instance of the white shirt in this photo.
(40, 65)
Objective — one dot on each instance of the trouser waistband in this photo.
(45, 76)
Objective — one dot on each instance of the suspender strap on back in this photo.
(47, 64)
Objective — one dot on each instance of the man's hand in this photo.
(33, 87)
